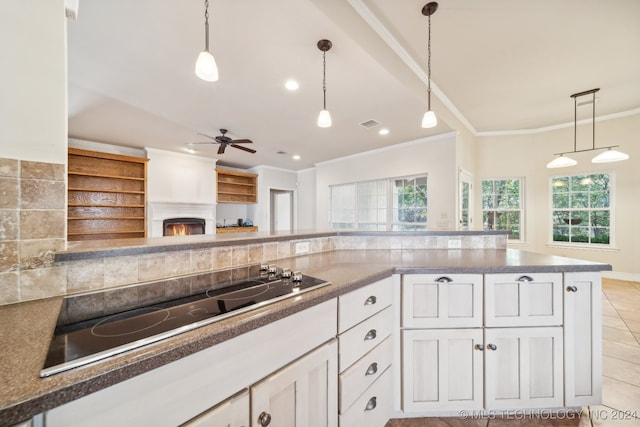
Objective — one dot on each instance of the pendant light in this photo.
(324, 118)
(429, 119)
(606, 157)
(206, 67)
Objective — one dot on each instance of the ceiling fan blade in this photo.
(205, 135)
(240, 147)
(242, 141)
(199, 143)
(221, 148)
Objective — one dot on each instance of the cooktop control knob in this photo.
(264, 267)
(296, 277)
(273, 269)
(286, 273)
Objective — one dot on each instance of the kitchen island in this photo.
(349, 261)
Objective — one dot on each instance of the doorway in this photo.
(281, 210)
(465, 199)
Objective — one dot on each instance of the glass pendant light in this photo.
(324, 118)
(206, 67)
(610, 156)
(429, 119)
(561, 162)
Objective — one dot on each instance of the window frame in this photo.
(522, 209)
(611, 210)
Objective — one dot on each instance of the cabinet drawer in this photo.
(357, 341)
(355, 380)
(523, 299)
(356, 306)
(373, 408)
(233, 412)
(442, 300)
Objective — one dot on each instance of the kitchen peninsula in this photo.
(404, 268)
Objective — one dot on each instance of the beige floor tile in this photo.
(614, 322)
(629, 315)
(633, 325)
(602, 416)
(628, 352)
(620, 395)
(637, 336)
(607, 308)
(614, 334)
(621, 370)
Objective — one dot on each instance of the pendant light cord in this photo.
(429, 66)
(206, 25)
(324, 80)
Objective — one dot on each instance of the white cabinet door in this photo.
(442, 300)
(233, 412)
(303, 394)
(582, 339)
(523, 299)
(523, 368)
(442, 369)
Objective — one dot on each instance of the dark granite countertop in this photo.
(27, 327)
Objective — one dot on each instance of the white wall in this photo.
(272, 178)
(435, 156)
(33, 81)
(307, 199)
(527, 156)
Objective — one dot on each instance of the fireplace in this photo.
(183, 226)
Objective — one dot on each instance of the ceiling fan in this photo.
(224, 140)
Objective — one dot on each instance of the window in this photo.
(502, 206)
(581, 208)
(387, 204)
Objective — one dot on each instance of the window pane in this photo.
(560, 200)
(502, 205)
(560, 185)
(579, 200)
(599, 199)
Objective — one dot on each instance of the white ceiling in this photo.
(497, 65)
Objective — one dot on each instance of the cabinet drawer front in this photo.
(360, 339)
(442, 300)
(233, 412)
(360, 304)
(373, 408)
(523, 299)
(355, 380)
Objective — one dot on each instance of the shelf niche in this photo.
(106, 196)
(236, 187)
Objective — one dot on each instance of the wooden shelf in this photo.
(236, 187)
(106, 196)
(236, 230)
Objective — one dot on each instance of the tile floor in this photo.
(621, 371)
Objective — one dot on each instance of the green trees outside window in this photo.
(502, 206)
(581, 208)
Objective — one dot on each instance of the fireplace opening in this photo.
(183, 226)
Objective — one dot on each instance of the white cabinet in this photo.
(233, 412)
(442, 369)
(303, 394)
(442, 300)
(582, 339)
(365, 322)
(523, 299)
(523, 368)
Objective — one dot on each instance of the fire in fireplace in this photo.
(183, 226)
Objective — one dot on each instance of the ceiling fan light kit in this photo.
(324, 118)
(607, 156)
(206, 67)
(429, 119)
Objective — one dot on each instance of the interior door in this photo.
(465, 199)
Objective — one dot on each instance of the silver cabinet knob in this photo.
(479, 347)
(371, 335)
(524, 279)
(444, 279)
(264, 419)
(371, 300)
(492, 347)
(372, 369)
(572, 289)
(371, 404)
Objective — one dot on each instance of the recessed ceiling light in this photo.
(292, 85)
(296, 157)
(384, 131)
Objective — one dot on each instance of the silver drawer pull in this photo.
(479, 347)
(444, 279)
(264, 419)
(371, 335)
(371, 300)
(492, 347)
(371, 404)
(572, 289)
(372, 369)
(524, 279)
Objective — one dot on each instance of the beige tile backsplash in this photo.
(33, 229)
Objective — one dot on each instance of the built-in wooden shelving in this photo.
(106, 195)
(236, 187)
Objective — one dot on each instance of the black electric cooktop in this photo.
(91, 340)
